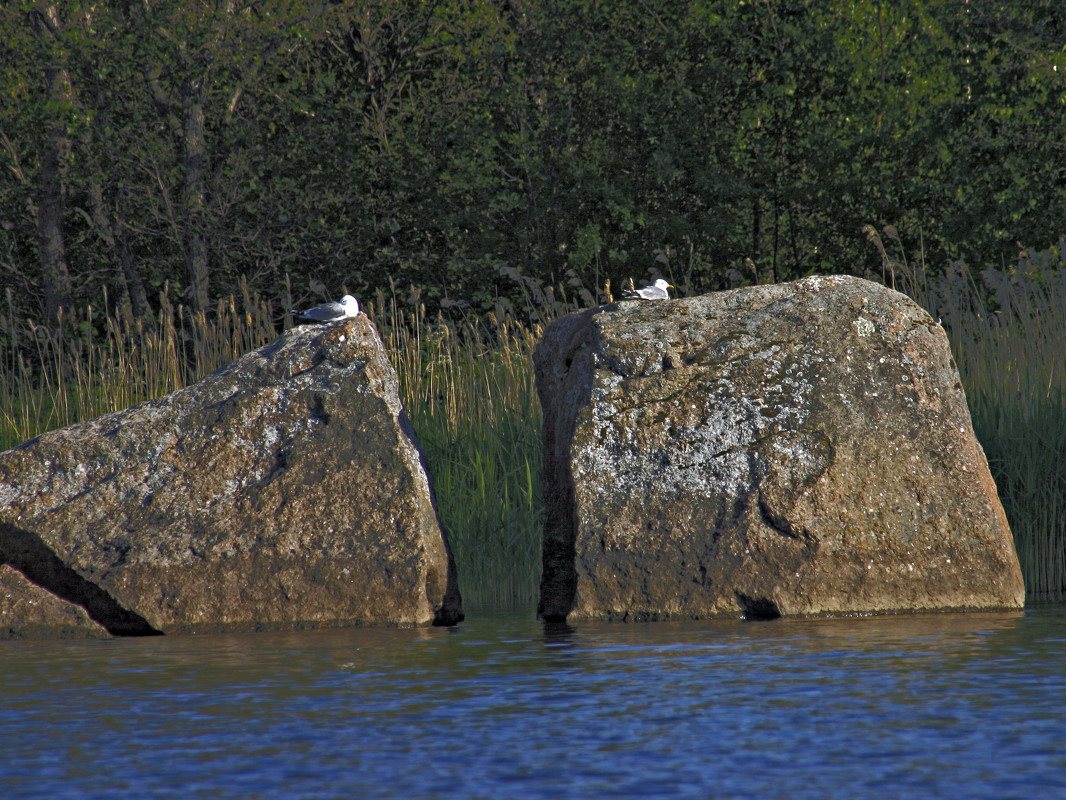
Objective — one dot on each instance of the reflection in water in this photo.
(965, 705)
(558, 633)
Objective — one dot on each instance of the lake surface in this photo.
(503, 706)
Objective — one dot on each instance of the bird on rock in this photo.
(657, 291)
(332, 311)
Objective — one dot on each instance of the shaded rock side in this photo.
(285, 490)
(796, 449)
(29, 612)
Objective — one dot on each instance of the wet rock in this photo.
(796, 449)
(284, 491)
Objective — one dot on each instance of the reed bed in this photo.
(1012, 360)
(468, 389)
(51, 377)
(467, 385)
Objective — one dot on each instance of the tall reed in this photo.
(1013, 359)
(468, 388)
(51, 377)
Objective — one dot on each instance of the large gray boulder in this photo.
(284, 491)
(796, 449)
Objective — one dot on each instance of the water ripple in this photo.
(503, 706)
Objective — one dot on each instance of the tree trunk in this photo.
(52, 201)
(756, 229)
(109, 221)
(123, 254)
(197, 272)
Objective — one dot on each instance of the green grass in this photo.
(1013, 365)
(53, 377)
(469, 391)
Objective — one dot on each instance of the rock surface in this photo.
(796, 449)
(29, 612)
(283, 491)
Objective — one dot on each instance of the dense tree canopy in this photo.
(153, 145)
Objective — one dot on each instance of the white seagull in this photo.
(657, 291)
(331, 311)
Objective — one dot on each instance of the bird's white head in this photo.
(661, 284)
(351, 305)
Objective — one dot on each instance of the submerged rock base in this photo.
(796, 449)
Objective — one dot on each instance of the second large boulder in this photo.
(801, 448)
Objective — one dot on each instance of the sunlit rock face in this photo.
(284, 491)
(795, 449)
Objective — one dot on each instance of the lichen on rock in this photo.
(285, 490)
(801, 448)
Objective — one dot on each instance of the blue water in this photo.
(502, 706)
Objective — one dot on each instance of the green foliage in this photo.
(439, 144)
(484, 151)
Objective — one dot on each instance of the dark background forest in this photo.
(464, 146)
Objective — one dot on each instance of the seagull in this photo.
(657, 291)
(331, 311)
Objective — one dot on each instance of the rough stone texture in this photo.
(795, 449)
(28, 611)
(283, 491)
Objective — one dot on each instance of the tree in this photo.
(199, 69)
(166, 144)
(52, 196)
